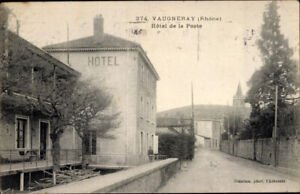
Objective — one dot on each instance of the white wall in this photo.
(204, 128)
(116, 72)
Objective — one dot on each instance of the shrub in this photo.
(177, 146)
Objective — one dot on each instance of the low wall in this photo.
(288, 151)
(144, 178)
(264, 150)
(244, 149)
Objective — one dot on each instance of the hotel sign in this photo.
(102, 61)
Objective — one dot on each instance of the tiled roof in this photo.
(109, 41)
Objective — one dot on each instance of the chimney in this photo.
(98, 28)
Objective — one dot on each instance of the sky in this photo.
(213, 57)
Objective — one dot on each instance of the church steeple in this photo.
(238, 98)
(239, 90)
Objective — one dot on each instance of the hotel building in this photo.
(124, 70)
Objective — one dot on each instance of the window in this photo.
(141, 145)
(94, 143)
(152, 141)
(141, 107)
(91, 143)
(147, 143)
(147, 109)
(21, 131)
(143, 76)
(152, 113)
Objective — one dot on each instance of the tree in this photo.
(4, 13)
(45, 86)
(278, 70)
(177, 145)
(54, 90)
(233, 123)
(90, 112)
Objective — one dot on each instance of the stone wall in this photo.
(264, 150)
(244, 149)
(146, 178)
(147, 182)
(288, 151)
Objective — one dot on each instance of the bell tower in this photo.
(238, 98)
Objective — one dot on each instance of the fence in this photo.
(287, 152)
(22, 159)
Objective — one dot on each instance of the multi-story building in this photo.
(26, 74)
(123, 68)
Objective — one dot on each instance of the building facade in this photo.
(208, 132)
(122, 68)
(26, 73)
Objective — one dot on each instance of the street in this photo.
(214, 171)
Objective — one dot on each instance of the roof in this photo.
(109, 42)
(239, 91)
(41, 53)
(21, 103)
(166, 130)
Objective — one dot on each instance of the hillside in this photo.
(201, 112)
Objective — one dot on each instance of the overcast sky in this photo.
(223, 58)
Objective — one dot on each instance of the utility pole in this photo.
(192, 121)
(198, 45)
(275, 128)
(68, 53)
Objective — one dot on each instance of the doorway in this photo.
(44, 127)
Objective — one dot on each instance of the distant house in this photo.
(173, 126)
(210, 116)
(123, 68)
(208, 132)
(166, 130)
(24, 129)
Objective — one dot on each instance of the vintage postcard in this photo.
(149, 96)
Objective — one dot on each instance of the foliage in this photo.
(44, 86)
(247, 132)
(3, 58)
(178, 146)
(53, 102)
(91, 109)
(89, 112)
(233, 123)
(278, 70)
(224, 136)
(46, 89)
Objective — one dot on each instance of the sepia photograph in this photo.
(149, 97)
